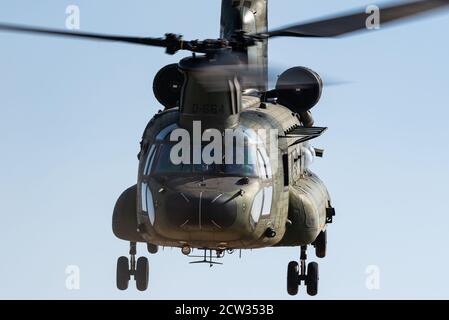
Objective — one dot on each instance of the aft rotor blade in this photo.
(156, 42)
(275, 70)
(356, 21)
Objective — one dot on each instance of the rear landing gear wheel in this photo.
(141, 274)
(312, 279)
(321, 244)
(293, 278)
(123, 274)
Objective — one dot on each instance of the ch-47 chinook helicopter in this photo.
(272, 201)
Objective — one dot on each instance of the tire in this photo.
(321, 244)
(123, 274)
(152, 248)
(142, 274)
(292, 278)
(312, 279)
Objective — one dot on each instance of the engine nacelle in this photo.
(299, 89)
(167, 86)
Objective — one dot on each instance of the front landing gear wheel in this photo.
(123, 274)
(141, 274)
(312, 279)
(298, 273)
(139, 269)
(293, 278)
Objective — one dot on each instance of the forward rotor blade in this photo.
(157, 42)
(250, 77)
(356, 21)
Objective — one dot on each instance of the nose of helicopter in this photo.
(213, 209)
(201, 210)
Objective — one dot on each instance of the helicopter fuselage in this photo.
(276, 200)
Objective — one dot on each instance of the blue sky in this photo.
(72, 113)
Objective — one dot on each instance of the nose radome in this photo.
(201, 210)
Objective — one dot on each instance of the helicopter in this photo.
(226, 165)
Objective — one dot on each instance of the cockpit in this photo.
(205, 188)
(248, 158)
(162, 164)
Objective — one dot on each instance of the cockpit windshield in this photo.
(245, 166)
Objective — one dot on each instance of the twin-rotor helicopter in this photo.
(271, 198)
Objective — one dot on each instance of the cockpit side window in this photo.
(151, 155)
(150, 159)
(165, 132)
(265, 196)
(264, 164)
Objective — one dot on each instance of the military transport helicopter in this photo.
(220, 207)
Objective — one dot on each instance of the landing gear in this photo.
(320, 244)
(293, 278)
(142, 273)
(123, 275)
(312, 279)
(297, 273)
(128, 267)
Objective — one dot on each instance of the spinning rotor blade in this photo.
(171, 42)
(158, 42)
(274, 71)
(356, 21)
(250, 77)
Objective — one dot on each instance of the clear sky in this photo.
(72, 114)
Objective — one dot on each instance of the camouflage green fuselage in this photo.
(216, 211)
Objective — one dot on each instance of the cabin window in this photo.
(257, 207)
(262, 166)
(308, 154)
(286, 170)
(262, 203)
(150, 159)
(267, 200)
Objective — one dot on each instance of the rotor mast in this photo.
(250, 16)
